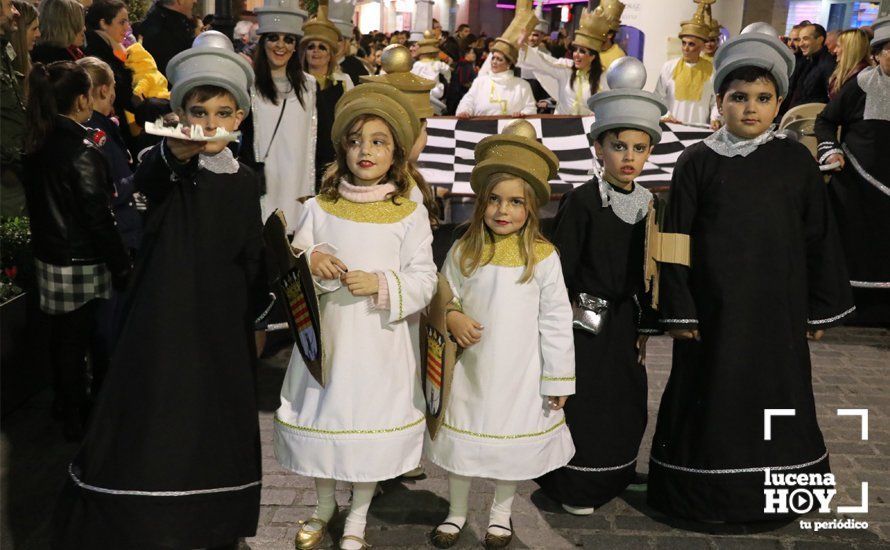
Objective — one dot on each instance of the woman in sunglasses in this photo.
(319, 48)
(571, 82)
(276, 142)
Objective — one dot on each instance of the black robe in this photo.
(602, 255)
(862, 208)
(325, 101)
(177, 414)
(766, 267)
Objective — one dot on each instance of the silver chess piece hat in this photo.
(757, 46)
(626, 104)
(281, 16)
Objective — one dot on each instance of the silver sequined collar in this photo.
(223, 162)
(726, 144)
(629, 207)
(876, 86)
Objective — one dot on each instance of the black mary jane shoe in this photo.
(498, 541)
(441, 539)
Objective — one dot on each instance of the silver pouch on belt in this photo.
(589, 313)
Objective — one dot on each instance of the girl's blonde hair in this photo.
(854, 51)
(61, 21)
(398, 174)
(100, 72)
(471, 247)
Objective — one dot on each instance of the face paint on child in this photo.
(623, 155)
(369, 151)
(749, 108)
(506, 211)
(217, 112)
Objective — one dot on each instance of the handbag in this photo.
(261, 165)
(589, 313)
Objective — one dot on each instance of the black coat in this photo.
(69, 197)
(165, 33)
(809, 81)
(353, 66)
(47, 53)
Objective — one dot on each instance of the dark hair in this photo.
(200, 94)
(617, 131)
(461, 27)
(264, 83)
(818, 29)
(102, 10)
(594, 73)
(747, 74)
(54, 89)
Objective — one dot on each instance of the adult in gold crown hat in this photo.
(610, 51)
(319, 48)
(516, 151)
(686, 84)
(713, 41)
(429, 66)
(573, 85)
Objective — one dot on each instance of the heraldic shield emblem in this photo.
(439, 355)
(292, 283)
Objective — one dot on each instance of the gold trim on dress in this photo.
(399, 289)
(382, 212)
(507, 252)
(558, 378)
(350, 432)
(512, 436)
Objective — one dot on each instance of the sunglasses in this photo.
(321, 47)
(289, 39)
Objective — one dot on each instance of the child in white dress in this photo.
(512, 317)
(369, 250)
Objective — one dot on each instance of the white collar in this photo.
(223, 162)
(726, 144)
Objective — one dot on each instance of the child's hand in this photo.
(684, 334)
(184, 149)
(465, 330)
(556, 402)
(815, 334)
(360, 283)
(326, 266)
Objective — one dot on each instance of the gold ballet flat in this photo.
(309, 539)
(441, 539)
(354, 538)
(498, 541)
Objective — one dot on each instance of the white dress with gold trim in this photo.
(367, 423)
(497, 423)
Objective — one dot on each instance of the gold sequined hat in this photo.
(596, 25)
(516, 151)
(524, 21)
(320, 28)
(381, 100)
(396, 62)
(715, 30)
(429, 44)
(700, 24)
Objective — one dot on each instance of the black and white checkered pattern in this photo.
(448, 160)
(64, 288)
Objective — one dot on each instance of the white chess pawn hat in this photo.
(281, 16)
(626, 104)
(341, 12)
(211, 61)
(757, 46)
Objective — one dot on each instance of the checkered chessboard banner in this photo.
(448, 160)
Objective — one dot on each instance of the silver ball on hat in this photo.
(213, 39)
(627, 72)
(762, 28)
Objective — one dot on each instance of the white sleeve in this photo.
(451, 270)
(445, 70)
(526, 99)
(532, 58)
(555, 328)
(412, 287)
(304, 240)
(661, 86)
(468, 101)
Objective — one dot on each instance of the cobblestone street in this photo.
(851, 369)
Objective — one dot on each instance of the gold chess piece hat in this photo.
(596, 25)
(429, 44)
(322, 29)
(700, 24)
(396, 62)
(524, 22)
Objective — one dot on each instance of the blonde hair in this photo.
(398, 174)
(61, 21)
(304, 59)
(472, 245)
(100, 72)
(854, 51)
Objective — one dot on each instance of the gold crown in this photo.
(524, 22)
(700, 24)
(595, 26)
(320, 28)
